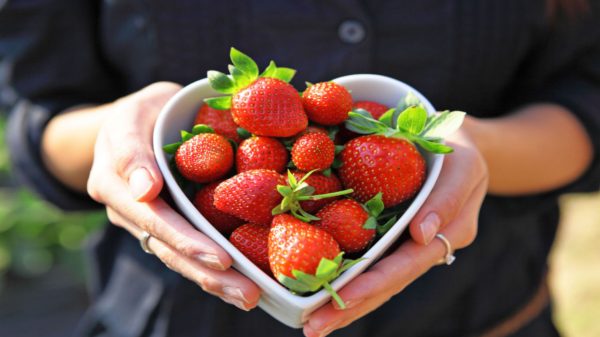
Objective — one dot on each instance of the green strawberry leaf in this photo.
(240, 79)
(381, 230)
(202, 128)
(220, 82)
(375, 205)
(411, 99)
(338, 149)
(292, 179)
(284, 190)
(433, 147)
(311, 281)
(293, 284)
(244, 63)
(219, 103)
(337, 163)
(171, 148)
(327, 269)
(327, 172)
(443, 124)
(185, 136)
(412, 119)
(269, 70)
(284, 74)
(371, 223)
(332, 132)
(386, 118)
(348, 263)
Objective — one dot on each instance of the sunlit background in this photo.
(42, 274)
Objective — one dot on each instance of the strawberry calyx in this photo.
(409, 120)
(185, 136)
(242, 73)
(327, 271)
(374, 207)
(299, 190)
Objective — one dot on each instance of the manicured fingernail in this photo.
(140, 182)
(233, 295)
(429, 227)
(211, 261)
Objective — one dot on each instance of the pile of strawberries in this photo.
(297, 179)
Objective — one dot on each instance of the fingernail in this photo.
(326, 330)
(140, 182)
(211, 261)
(233, 295)
(429, 227)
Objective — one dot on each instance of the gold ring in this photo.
(449, 257)
(144, 242)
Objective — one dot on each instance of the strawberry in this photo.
(253, 241)
(387, 160)
(265, 105)
(350, 223)
(327, 103)
(201, 156)
(261, 153)
(223, 222)
(305, 258)
(311, 129)
(322, 184)
(313, 151)
(250, 195)
(374, 108)
(220, 120)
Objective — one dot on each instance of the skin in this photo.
(490, 157)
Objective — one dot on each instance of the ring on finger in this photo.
(144, 242)
(449, 256)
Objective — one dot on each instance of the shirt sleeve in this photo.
(565, 70)
(50, 60)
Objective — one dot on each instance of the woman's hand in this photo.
(125, 177)
(452, 209)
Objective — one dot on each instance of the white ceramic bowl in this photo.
(292, 310)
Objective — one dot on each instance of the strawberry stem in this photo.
(326, 195)
(334, 295)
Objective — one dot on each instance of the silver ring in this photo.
(449, 257)
(144, 242)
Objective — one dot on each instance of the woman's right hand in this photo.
(125, 177)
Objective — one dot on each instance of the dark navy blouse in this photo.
(483, 57)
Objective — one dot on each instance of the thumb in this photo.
(145, 184)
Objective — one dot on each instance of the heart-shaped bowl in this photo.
(293, 310)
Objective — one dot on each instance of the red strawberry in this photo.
(253, 241)
(269, 107)
(296, 245)
(220, 120)
(345, 220)
(373, 164)
(204, 157)
(261, 153)
(265, 105)
(312, 129)
(376, 109)
(322, 185)
(250, 195)
(327, 103)
(313, 151)
(222, 221)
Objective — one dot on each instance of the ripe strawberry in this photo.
(304, 258)
(250, 195)
(204, 158)
(376, 109)
(312, 129)
(265, 105)
(327, 103)
(253, 241)
(223, 222)
(220, 120)
(345, 220)
(261, 153)
(313, 151)
(294, 244)
(373, 164)
(322, 184)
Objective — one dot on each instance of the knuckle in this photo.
(124, 158)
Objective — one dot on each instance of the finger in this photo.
(392, 274)
(230, 285)
(131, 139)
(463, 171)
(162, 222)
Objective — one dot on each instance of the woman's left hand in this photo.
(451, 209)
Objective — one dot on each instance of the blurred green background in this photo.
(42, 269)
